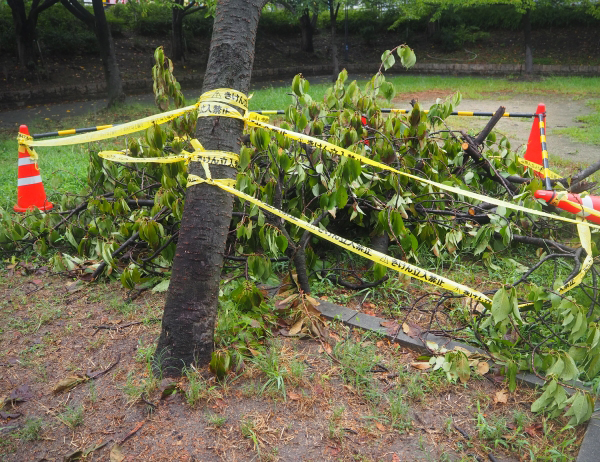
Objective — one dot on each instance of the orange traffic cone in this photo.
(573, 203)
(30, 189)
(534, 145)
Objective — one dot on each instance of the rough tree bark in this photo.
(307, 26)
(25, 26)
(191, 306)
(98, 23)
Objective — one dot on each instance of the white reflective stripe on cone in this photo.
(26, 161)
(31, 180)
(586, 202)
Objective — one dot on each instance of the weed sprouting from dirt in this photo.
(271, 365)
(399, 412)
(199, 389)
(216, 420)
(72, 416)
(31, 430)
(356, 360)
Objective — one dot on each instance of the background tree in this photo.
(308, 23)
(190, 310)
(179, 12)
(98, 23)
(25, 26)
(334, 8)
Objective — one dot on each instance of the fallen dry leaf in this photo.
(116, 454)
(421, 365)
(411, 329)
(535, 430)
(296, 328)
(391, 326)
(326, 347)
(501, 397)
(380, 426)
(69, 382)
(464, 350)
(483, 367)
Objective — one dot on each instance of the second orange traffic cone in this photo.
(534, 145)
(30, 189)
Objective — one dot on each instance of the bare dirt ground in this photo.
(562, 111)
(54, 328)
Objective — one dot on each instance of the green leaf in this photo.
(511, 375)
(570, 371)
(557, 368)
(387, 59)
(501, 305)
(407, 57)
(379, 271)
(282, 243)
(540, 403)
(162, 286)
(341, 197)
(388, 90)
(580, 408)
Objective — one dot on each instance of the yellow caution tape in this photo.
(538, 168)
(229, 159)
(373, 255)
(120, 156)
(220, 103)
(22, 140)
(119, 130)
(586, 242)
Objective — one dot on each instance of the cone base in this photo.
(43, 208)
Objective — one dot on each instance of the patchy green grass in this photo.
(590, 131)
(482, 87)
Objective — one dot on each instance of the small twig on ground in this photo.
(133, 432)
(462, 432)
(95, 375)
(145, 400)
(117, 328)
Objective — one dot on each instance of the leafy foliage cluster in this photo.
(127, 224)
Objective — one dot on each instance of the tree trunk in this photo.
(25, 33)
(307, 26)
(25, 28)
(114, 85)
(191, 306)
(333, 12)
(528, 52)
(177, 33)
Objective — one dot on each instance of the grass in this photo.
(589, 133)
(31, 430)
(72, 416)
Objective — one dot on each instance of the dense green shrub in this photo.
(198, 25)
(61, 33)
(281, 22)
(7, 31)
